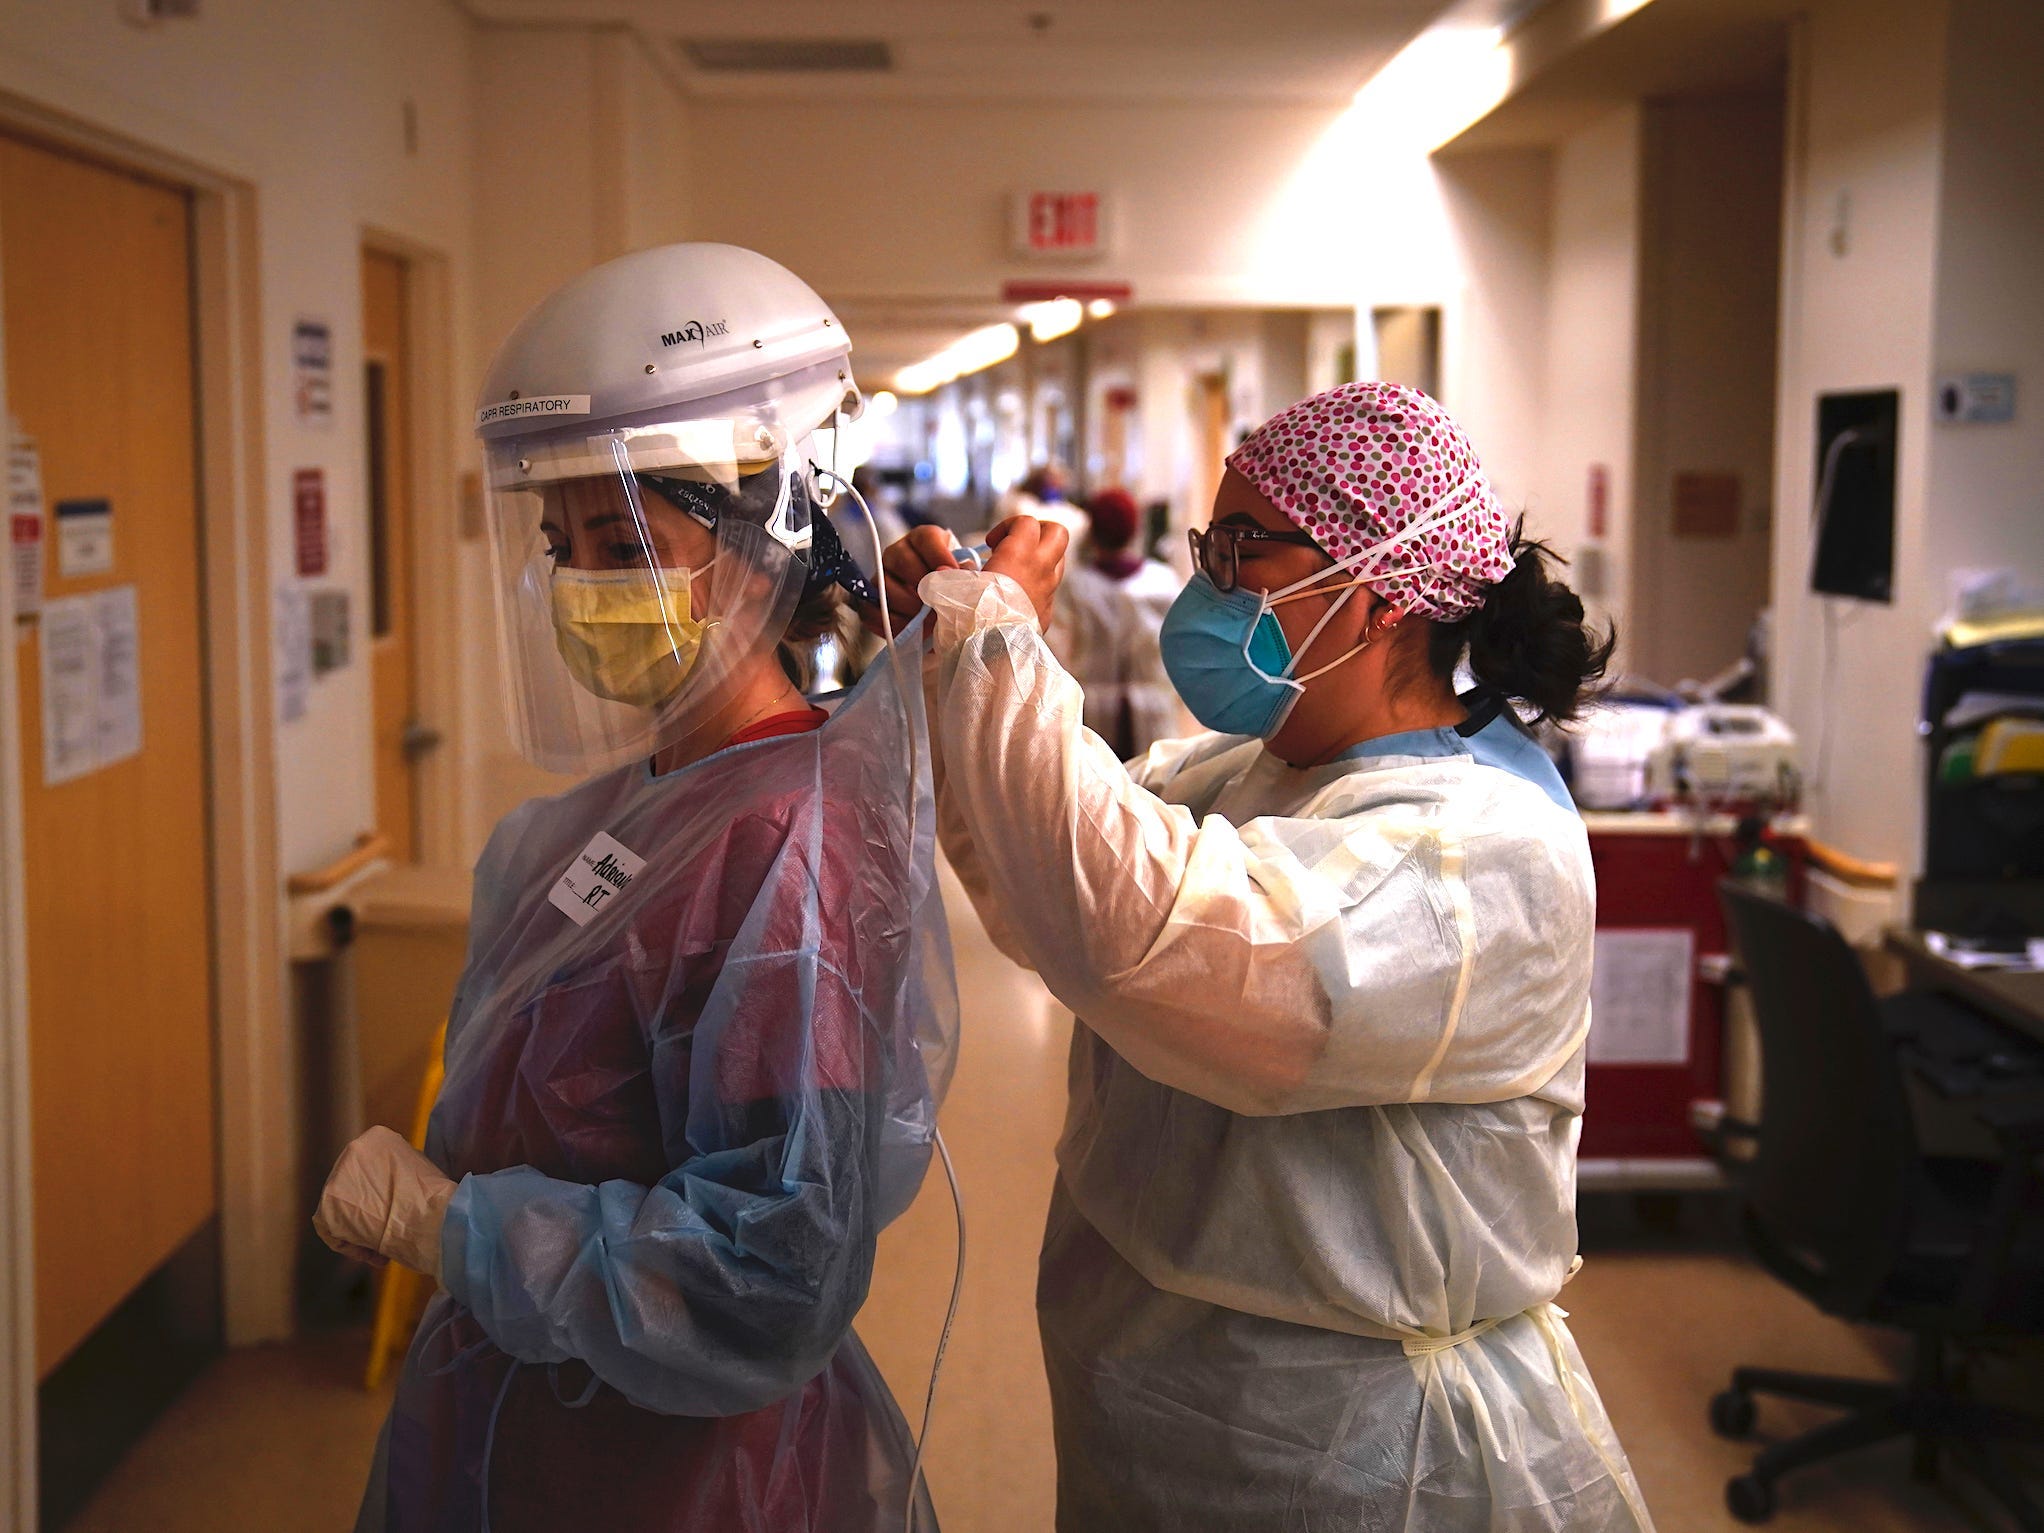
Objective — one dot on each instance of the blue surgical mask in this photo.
(1230, 661)
(1206, 636)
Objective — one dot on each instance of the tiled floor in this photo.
(277, 1439)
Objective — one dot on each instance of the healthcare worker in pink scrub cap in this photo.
(1331, 965)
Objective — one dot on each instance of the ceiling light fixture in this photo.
(970, 353)
(1438, 84)
(1052, 318)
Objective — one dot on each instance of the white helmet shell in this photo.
(676, 325)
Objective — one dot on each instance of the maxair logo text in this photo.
(695, 330)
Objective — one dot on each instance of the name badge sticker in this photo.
(530, 409)
(603, 871)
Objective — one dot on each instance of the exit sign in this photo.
(1060, 225)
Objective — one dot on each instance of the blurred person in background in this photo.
(1109, 612)
(1043, 494)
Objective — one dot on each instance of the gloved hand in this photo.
(384, 1199)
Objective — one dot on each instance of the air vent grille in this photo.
(146, 13)
(781, 55)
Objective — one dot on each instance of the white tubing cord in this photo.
(915, 1478)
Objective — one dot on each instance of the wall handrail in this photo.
(369, 847)
(1857, 871)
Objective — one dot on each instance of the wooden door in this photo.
(387, 397)
(96, 285)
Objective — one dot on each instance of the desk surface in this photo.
(2017, 999)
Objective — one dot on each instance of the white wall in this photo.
(1589, 389)
(1499, 208)
(658, 126)
(1860, 271)
(1217, 203)
(1710, 289)
(546, 208)
(543, 200)
(1985, 505)
(582, 154)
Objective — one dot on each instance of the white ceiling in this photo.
(1135, 50)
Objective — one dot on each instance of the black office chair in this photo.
(1840, 1203)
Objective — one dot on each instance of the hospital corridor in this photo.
(1022, 766)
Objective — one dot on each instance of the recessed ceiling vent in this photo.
(147, 13)
(784, 55)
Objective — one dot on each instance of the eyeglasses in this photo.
(1216, 549)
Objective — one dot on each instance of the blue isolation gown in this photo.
(678, 1130)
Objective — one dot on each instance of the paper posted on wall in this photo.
(91, 683)
(1639, 996)
(25, 521)
(85, 537)
(292, 639)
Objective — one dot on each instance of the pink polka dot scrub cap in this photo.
(1368, 461)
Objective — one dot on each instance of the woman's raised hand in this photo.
(1028, 551)
(903, 566)
(1032, 554)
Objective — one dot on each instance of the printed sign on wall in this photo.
(292, 641)
(1640, 987)
(308, 503)
(329, 617)
(312, 371)
(1706, 505)
(85, 537)
(25, 521)
(91, 683)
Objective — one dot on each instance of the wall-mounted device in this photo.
(1975, 399)
(1853, 515)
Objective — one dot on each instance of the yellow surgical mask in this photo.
(628, 635)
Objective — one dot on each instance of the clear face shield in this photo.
(644, 570)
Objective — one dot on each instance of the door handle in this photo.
(418, 739)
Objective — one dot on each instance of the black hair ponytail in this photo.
(1528, 641)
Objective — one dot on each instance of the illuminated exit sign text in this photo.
(1061, 225)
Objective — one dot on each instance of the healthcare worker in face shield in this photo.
(1331, 965)
(693, 1062)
